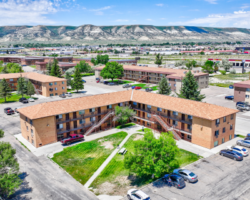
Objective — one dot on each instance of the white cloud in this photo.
(99, 11)
(160, 4)
(122, 20)
(235, 19)
(212, 1)
(28, 12)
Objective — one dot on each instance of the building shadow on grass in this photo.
(24, 189)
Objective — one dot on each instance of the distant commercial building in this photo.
(235, 62)
(153, 75)
(242, 91)
(44, 85)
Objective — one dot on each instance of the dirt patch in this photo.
(138, 137)
(108, 145)
(105, 188)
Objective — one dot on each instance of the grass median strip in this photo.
(82, 160)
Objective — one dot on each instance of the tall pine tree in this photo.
(55, 69)
(77, 81)
(30, 89)
(48, 68)
(189, 88)
(68, 77)
(164, 87)
(5, 90)
(21, 86)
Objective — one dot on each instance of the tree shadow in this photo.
(140, 181)
(24, 189)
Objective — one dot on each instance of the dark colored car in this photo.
(247, 138)
(9, 111)
(241, 103)
(62, 95)
(22, 99)
(229, 97)
(248, 135)
(112, 83)
(84, 81)
(105, 82)
(231, 154)
(177, 181)
(72, 138)
(98, 79)
(25, 101)
(148, 89)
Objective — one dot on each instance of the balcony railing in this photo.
(81, 126)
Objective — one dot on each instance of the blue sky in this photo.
(214, 13)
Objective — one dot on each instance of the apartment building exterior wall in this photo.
(242, 91)
(54, 88)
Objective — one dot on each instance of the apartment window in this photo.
(50, 84)
(175, 113)
(230, 137)
(215, 143)
(51, 95)
(28, 138)
(189, 137)
(27, 128)
(224, 130)
(149, 115)
(120, 104)
(55, 83)
(63, 88)
(109, 106)
(189, 127)
(190, 117)
(12, 84)
(232, 116)
(175, 85)
(148, 106)
(92, 119)
(217, 122)
(224, 119)
(63, 82)
(169, 84)
(159, 109)
(248, 89)
(32, 133)
(134, 103)
(32, 141)
(26, 119)
(231, 127)
(59, 126)
(247, 96)
(81, 112)
(92, 110)
(56, 88)
(59, 117)
(175, 123)
(11, 79)
(223, 140)
(31, 122)
(81, 121)
(216, 133)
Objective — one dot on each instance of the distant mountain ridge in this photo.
(108, 34)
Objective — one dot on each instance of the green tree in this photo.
(202, 53)
(48, 68)
(93, 61)
(1, 133)
(226, 65)
(77, 81)
(83, 67)
(153, 157)
(55, 69)
(112, 70)
(189, 89)
(208, 67)
(191, 64)
(158, 59)
(30, 89)
(123, 114)
(9, 170)
(7, 52)
(164, 87)
(101, 59)
(68, 77)
(21, 86)
(5, 90)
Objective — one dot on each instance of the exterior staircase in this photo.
(166, 126)
(140, 79)
(96, 125)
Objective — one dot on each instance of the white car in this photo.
(134, 194)
(68, 94)
(239, 149)
(31, 100)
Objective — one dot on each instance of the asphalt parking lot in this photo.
(219, 178)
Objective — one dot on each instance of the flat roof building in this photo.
(203, 124)
(242, 91)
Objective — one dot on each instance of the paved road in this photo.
(219, 178)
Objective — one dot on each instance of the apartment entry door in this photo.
(67, 126)
(99, 110)
(67, 116)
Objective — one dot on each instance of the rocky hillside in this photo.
(137, 33)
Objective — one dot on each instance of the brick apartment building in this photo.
(203, 124)
(44, 85)
(153, 75)
(242, 91)
(41, 66)
(88, 60)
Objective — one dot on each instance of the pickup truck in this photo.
(72, 138)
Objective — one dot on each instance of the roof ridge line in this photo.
(132, 95)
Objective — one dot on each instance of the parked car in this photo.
(9, 111)
(231, 154)
(84, 81)
(248, 135)
(186, 175)
(62, 95)
(229, 97)
(126, 86)
(137, 88)
(98, 81)
(177, 180)
(16, 109)
(105, 82)
(72, 138)
(239, 149)
(25, 101)
(242, 103)
(22, 99)
(244, 143)
(112, 83)
(148, 89)
(31, 100)
(68, 94)
(135, 194)
(243, 107)
(247, 138)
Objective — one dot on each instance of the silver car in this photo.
(243, 107)
(186, 175)
(245, 143)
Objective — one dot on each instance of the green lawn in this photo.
(33, 66)
(155, 88)
(14, 98)
(241, 136)
(125, 125)
(142, 85)
(232, 76)
(85, 74)
(115, 170)
(82, 160)
(226, 85)
(121, 82)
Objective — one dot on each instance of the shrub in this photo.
(233, 71)
(223, 72)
